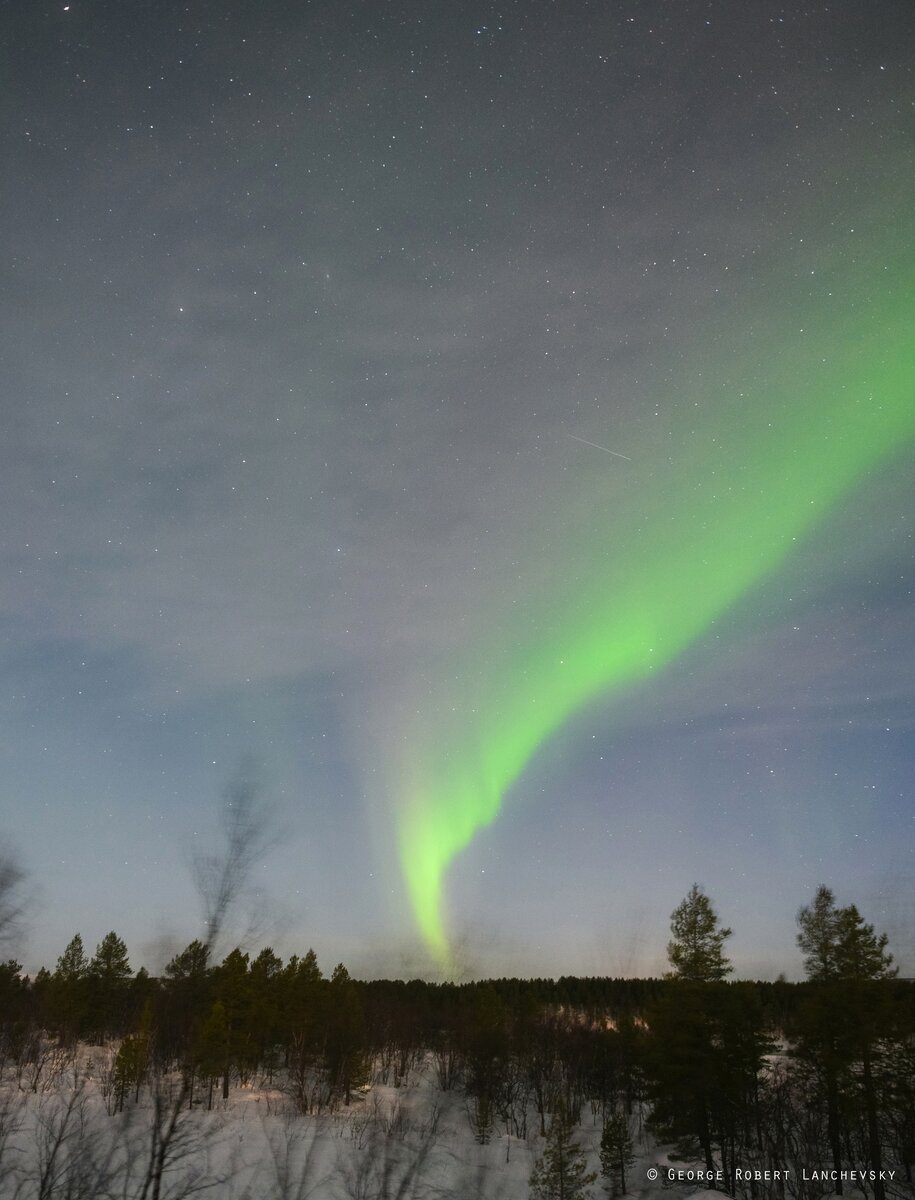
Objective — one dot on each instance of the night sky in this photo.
(489, 428)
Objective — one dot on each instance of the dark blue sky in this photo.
(305, 310)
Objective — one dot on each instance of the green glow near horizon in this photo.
(827, 405)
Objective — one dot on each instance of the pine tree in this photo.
(108, 974)
(302, 1002)
(130, 1067)
(839, 945)
(191, 963)
(861, 952)
(110, 962)
(696, 953)
(345, 1058)
(187, 994)
(73, 963)
(68, 997)
(843, 1024)
(264, 1014)
(560, 1173)
(14, 992)
(232, 982)
(211, 1048)
(818, 935)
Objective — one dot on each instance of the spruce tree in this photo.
(616, 1155)
(561, 1173)
(480, 1114)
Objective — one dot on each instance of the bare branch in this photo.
(222, 878)
(12, 899)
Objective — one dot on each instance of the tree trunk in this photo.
(873, 1130)
(832, 1117)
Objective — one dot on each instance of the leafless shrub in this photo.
(42, 1063)
(60, 1137)
(359, 1126)
(292, 1162)
(166, 1145)
(389, 1167)
(429, 1127)
(396, 1123)
(447, 1064)
(11, 1121)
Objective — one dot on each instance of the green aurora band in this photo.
(750, 473)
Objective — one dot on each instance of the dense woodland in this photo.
(818, 1075)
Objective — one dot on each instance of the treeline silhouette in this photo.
(813, 1078)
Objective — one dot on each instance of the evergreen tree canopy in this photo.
(73, 963)
(696, 953)
(110, 963)
(192, 962)
(267, 965)
(561, 1171)
(616, 1156)
(838, 944)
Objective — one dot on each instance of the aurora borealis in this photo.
(494, 422)
(841, 399)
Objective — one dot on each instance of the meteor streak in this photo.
(606, 449)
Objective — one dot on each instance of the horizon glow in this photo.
(801, 422)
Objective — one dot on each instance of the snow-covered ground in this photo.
(59, 1137)
(63, 1138)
